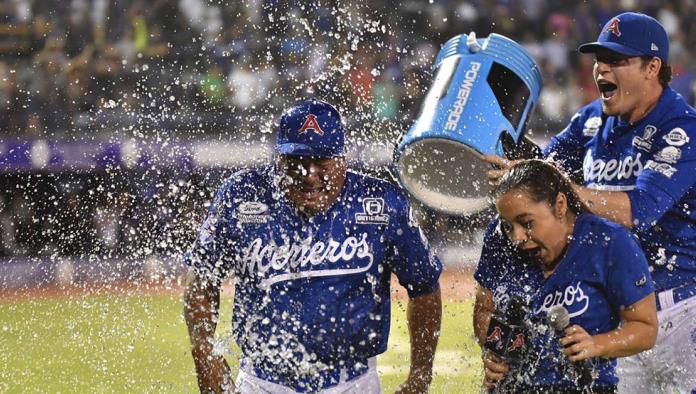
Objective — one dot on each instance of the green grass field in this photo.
(138, 344)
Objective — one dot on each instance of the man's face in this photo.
(626, 85)
(313, 183)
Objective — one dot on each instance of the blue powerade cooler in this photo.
(483, 92)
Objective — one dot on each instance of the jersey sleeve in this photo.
(628, 276)
(666, 177)
(566, 148)
(415, 265)
(495, 254)
(215, 237)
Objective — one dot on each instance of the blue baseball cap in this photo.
(311, 128)
(632, 34)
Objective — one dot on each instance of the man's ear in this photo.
(654, 67)
(342, 164)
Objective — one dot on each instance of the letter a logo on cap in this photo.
(614, 27)
(311, 123)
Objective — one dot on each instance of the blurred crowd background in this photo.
(176, 70)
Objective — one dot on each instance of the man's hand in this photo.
(415, 383)
(201, 304)
(500, 166)
(215, 376)
(424, 317)
(494, 370)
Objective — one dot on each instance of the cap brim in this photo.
(592, 47)
(294, 149)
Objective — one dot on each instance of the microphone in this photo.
(507, 336)
(558, 318)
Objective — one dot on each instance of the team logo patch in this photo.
(373, 212)
(645, 142)
(518, 343)
(592, 126)
(642, 281)
(311, 124)
(496, 335)
(669, 154)
(252, 212)
(663, 168)
(614, 27)
(676, 137)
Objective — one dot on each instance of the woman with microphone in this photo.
(567, 259)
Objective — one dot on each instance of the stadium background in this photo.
(120, 118)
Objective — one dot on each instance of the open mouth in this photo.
(310, 191)
(606, 89)
(533, 253)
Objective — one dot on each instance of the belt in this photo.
(671, 297)
(330, 376)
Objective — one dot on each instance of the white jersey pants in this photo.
(367, 383)
(671, 365)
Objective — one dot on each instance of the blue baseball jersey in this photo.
(312, 294)
(603, 271)
(654, 161)
(504, 271)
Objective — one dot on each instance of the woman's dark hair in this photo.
(542, 181)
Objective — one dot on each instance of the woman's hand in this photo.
(579, 345)
(494, 370)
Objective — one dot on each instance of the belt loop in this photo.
(343, 376)
(666, 298)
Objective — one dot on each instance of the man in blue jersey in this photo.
(634, 150)
(312, 247)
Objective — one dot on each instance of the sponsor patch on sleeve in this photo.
(592, 126)
(663, 168)
(252, 212)
(645, 141)
(676, 137)
(668, 154)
